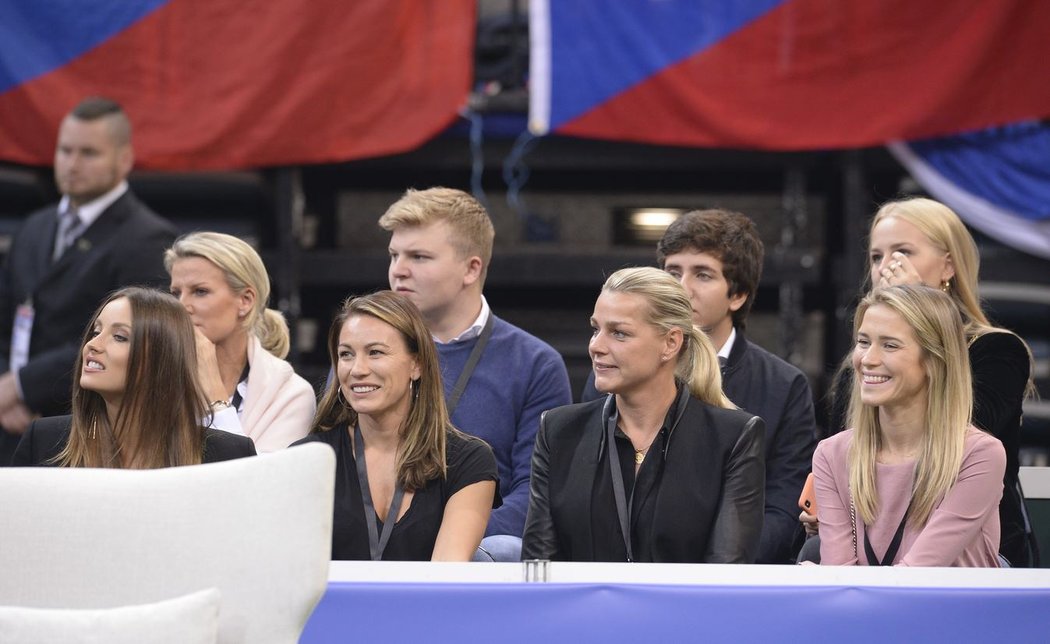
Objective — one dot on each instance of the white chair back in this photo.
(258, 529)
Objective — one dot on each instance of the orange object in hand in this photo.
(808, 500)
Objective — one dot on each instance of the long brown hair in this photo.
(421, 454)
(158, 424)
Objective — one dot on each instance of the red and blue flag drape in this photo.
(817, 75)
(785, 74)
(217, 84)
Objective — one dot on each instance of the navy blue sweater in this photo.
(518, 378)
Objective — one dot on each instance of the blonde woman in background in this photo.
(222, 283)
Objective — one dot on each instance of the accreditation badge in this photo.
(20, 335)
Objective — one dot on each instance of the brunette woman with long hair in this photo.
(136, 403)
(409, 486)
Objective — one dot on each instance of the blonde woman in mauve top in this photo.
(913, 482)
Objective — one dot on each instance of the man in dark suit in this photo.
(717, 256)
(65, 258)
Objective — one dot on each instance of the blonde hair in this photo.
(471, 231)
(421, 455)
(243, 268)
(669, 308)
(937, 325)
(945, 230)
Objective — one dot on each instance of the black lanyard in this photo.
(895, 544)
(468, 369)
(235, 402)
(376, 543)
(625, 506)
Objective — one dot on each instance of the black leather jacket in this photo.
(705, 504)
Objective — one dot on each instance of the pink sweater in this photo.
(962, 530)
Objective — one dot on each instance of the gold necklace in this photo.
(639, 454)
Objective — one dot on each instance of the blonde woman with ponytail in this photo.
(912, 482)
(241, 344)
(663, 468)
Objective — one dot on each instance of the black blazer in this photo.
(46, 437)
(123, 247)
(709, 498)
(776, 391)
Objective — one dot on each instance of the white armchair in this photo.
(257, 529)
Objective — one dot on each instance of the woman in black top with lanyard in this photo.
(137, 402)
(662, 469)
(408, 485)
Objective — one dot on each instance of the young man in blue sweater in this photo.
(498, 379)
(717, 256)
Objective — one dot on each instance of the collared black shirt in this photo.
(645, 486)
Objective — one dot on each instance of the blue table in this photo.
(813, 606)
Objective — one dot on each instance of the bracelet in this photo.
(219, 405)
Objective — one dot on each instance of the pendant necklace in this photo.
(639, 454)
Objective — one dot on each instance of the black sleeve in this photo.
(789, 459)
(43, 440)
(539, 540)
(23, 456)
(470, 460)
(1001, 368)
(7, 315)
(225, 446)
(738, 526)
